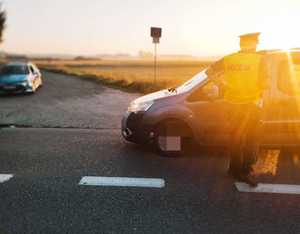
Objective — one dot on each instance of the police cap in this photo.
(250, 37)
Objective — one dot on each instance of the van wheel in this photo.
(166, 143)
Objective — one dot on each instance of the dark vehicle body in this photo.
(196, 110)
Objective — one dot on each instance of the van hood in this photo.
(154, 96)
(12, 79)
(188, 85)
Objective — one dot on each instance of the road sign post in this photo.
(156, 35)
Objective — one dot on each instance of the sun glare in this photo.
(280, 35)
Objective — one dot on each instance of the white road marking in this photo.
(5, 177)
(122, 181)
(269, 188)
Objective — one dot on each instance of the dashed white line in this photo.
(5, 177)
(269, 188)
(122, 181)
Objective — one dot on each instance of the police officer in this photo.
(243, 82)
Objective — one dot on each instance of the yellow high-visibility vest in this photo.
(295, 73)
(291, 75)
(242, 77)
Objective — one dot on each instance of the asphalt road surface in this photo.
(70, 129)
(66, 101)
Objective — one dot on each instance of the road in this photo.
(66, 102)
(70, 129)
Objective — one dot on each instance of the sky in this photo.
(196, 27)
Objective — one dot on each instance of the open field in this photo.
(133, 75)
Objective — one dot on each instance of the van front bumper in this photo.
(15, 88)
(134, 129)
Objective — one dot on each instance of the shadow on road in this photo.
(193, 150)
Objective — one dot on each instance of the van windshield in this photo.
(14, 70)
(194, 81)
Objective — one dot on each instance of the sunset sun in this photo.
(280, 32)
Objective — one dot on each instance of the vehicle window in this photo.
(289, 76)
(31, 69)
(208, 92)
(215, 70)
(193, 82)
(14, 70)
(34, 68)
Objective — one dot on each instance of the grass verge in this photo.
(133, 76)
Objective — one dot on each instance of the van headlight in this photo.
(139, 106)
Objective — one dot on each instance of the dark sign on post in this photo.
(155, 34)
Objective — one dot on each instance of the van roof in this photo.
(279, 51)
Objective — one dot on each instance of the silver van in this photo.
(197, 111)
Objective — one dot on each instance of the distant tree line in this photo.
(2, 22)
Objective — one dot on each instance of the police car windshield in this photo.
(14, 70)
(191, 83)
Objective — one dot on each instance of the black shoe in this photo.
(248, 179)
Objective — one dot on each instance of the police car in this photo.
(197, 110)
